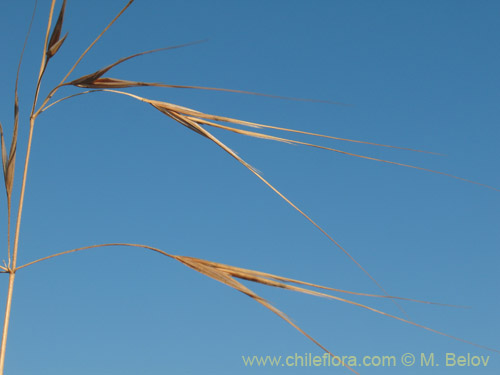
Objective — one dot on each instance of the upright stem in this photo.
(12, 268)
(8, 306)
(21, 198)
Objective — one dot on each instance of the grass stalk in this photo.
(12, 268)
(8, 305)
(197, 122)
(13, 261)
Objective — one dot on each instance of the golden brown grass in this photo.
(198, 122)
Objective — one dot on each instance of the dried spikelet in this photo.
(107, 83)
(4, 152)
(201, 118)
(88, 80)
(193, 119)
(175, 116)
(9, 161)
(299, 282)
(225, 274)
(55, 42)
(9, 165)
(120, 83)
(226, 278)
(13, 146)
(176, 112)
(53, 50)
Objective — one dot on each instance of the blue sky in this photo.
(106, 168)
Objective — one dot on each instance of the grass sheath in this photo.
(199, 123)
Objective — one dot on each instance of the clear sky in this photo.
(106, 168)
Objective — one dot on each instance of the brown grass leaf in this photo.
(55, 43)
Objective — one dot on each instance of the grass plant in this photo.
(201, 123)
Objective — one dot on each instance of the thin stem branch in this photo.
(97, 246)
(67, 97)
